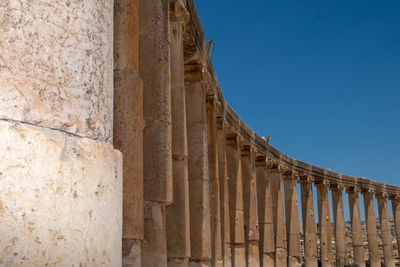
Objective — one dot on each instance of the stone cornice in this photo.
(197, 54)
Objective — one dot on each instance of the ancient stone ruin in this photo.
(117, 148)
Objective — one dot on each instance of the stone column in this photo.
(309, 226)
(385, 230)
(199, 193)
(60, 177)
(236, 200)
(154, 61)
(216, 241)
(128, 124)
(324, 221)
(279, 216)
(356, 230)
(340, 227)
(396, 218)
(250, 207)
(372, 233)
(265, 219)
(177, 213)
(292, 219)
(224, 192)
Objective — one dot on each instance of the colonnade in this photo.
(199, 187)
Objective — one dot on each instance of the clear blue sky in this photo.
(322, 77)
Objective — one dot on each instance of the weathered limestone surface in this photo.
(215, 207)
(372, 232)
(385, 230)
(236, 201)
(199, 191)
(57, 65)
(265, 219)
(340, 229)
(309, 228)
(252, 236)
(292, 219)
(279, 217)
(356, 230)
(178, 213)
(324, 221)
(224, 193)
(154, 61)
(396, 218)
(57, 193)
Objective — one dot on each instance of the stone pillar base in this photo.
(60, 198)
(205, 263)
(178, 262)
(131, 252)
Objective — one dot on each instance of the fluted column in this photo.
(396, 218)
(177, 213)
(224, 192)
(372, 232)
(385, 230)
(324, 221)
(250, 207)
(236, 200)
(199, 193)
(265, 214)
(215, 208)
(340, 227)
(309, 226)
(356, 230)
(279, 216)
(292, 219)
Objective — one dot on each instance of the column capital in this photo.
(352, 189)
(178, 12)
(248, 150)
(321, 182)
(366, 190)
(232, 139)
(221, 123)
(196, 72)
(380, 194)
(336, 187)
(274, 167)
(289, 174)
(305, 178)
(261, 160)
(394, 197)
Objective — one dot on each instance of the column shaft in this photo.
(292, 220)
(154, 61)
(129, 124)
(236, 201)
(265, 214)
(177, 213)
(396, 218)
(279, 217)
(356, 230)
(340, 228)
(385, 230)
(224, 193)
(309, 226)
(199, 191)
(324, 221)
(216, 241)
(250, 207)
(372, 233)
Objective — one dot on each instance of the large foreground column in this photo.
(385, 230)
(177, 213)
(292, 219)
(250, 207)
(356, 230)
(199, 193)
(325, 234)
(128, 124)
(309, 226)
(236, 200)
(279, 216)
(265, 219)
(340, 228)
(396, 218)
(372, 232)
(60, 178)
